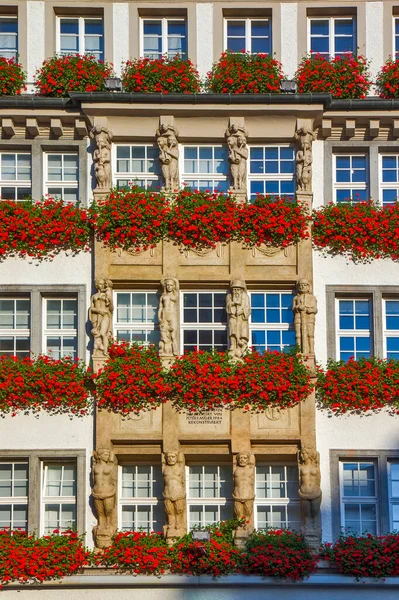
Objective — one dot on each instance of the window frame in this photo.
(14, 17)
(331, 33)
(215, 177)
(395, 53)
(198, 326)
(218, 501)
(147, 327)
(265, 177)
(63, 184)
(387, 332)
(248, 28)
(16, 183)
(390, 185)
(358, 500)
(16, 333)
(270, 326)
(135, 501)
(61, 333)
(12, 500)
(145, 176)
(57, 500)
(350, 184)
(81, 34)
(164, 33)
(259, 502)
(354, 332)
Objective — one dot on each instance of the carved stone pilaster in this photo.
(168, 318)
(310, 495)
(104, 473)
(173, 471)
(100, 314)
(305, 309)
(243, 495)
(166, 136)
(102, 160)
(236, 137)
(238, 310)
(304, 136)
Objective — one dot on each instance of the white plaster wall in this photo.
(35, 29)
(289, 38)
(204, 12)
(375, 36)
(120, 34)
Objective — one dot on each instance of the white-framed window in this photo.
(136, 317)
(137, 165)
(15, 327)
(205, 167)
(396, 38)
(9, 36)
(277, 502)
(14, 494)
(359, 496)
(271, 171)
(58, 496)
(332, 36)
(391, 327)
(248, 35)
(203, 321)
(62, 176)
(393, 485)
(351, 177)
(389, 178)
(140, 494)
(209, 494)
(60, 327)
(354, 331)
(164, 36)
(81, 35)
(15, 175)
(272, 321)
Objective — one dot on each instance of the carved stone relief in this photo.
(244, 494)
(305, 310)
(310, 494)
(236, 137)
(173, 470)
(100, 315)
(238, 311)
(168, 156)
(104, 472)
(168, 317)
(304, 159)
(102, 157)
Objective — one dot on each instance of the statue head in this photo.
(241, 141)
(101, 284)
(171, 458)
(104, 454)
(309, 455)
(303, 286)
(169, 285)
(242, 459)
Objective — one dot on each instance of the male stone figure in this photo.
(238, 155)
(243, 493)
(304, 159)
(310, 494)
(168, 156)
(305, 310)
(100, 314)
(102, 156)
(174, 494)
(168, 317)
(238, 311)
(104, 495)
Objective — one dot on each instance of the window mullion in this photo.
(82, 48)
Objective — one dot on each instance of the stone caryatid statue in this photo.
(102, 156)
(305, 310)
(236, 137)
(104, 472)
(168, 317)
(168, 156)
(174, 493)
(100, 315)
(238, 311)
(310, 495)
(304, 159)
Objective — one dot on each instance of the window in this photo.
(61, 327)
(137, 165)
(272, 321)
(393, 481)
(62, 179)
(359, 506)
(204, 321)
(15, 327)
(9, 37)
(271, 171)
(164, 36)
(351, 178)
(248, 35)
(332, 36)
(14, 495)
(59, 497)
(209, 494)
(137, 317)
(277, 501)
(391, 328)
(396, 38)
(354, 328)
(389, 178)
(81, 35)
(15, 176)
(205, 168)
(140, 492)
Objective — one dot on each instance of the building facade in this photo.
(54, 146)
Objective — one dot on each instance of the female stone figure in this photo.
(104, 495)
(174, 493)
(168, 156)
(100, 314)
(168, 317)
(310, 494)
(102, 156)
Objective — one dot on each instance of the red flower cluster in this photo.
(388, 79)
(279, 553)
(216, 557)
(361, 231)
(368, 384)
(134, 219)
(163, 75)
(366, 556)
(54, 386)
(12, 77)
(60, 75)
(244, 73)
(131, 381)
(28, 559)
(42, 229)
(342, 76)
(136, 552)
